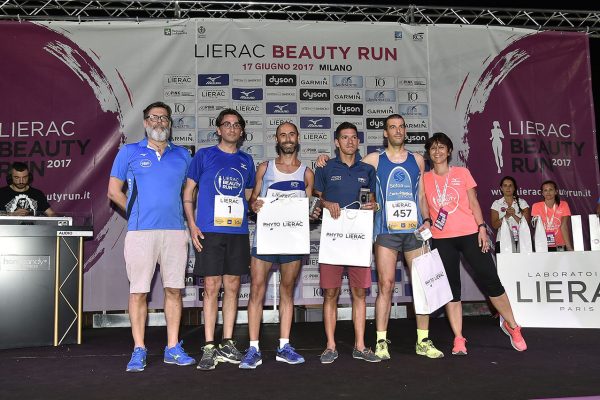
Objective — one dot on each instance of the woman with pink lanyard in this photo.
(458, 229)
(554, 215)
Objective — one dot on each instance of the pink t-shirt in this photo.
(460, 220)
(551, 218)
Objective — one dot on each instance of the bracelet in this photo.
(482, 225)
(428, 220)
(188, 201)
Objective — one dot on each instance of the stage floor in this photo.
(558, 363)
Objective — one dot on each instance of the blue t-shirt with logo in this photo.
(341, 183)
(154, 184)
(222, 180)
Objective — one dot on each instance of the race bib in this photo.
(229, 211)
(515, 232)
(401, 215)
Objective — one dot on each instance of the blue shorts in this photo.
(277, 258)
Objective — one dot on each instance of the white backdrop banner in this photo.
(73, 93)
(553, 290)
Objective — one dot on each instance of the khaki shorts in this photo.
(145, 249)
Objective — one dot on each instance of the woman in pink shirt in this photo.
(458, 228)
(554, 215)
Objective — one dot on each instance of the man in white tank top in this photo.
(285, 176)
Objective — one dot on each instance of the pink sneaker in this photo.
(459, 349)
(516, 339)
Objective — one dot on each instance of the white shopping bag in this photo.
(505, 237)
(525, 244)
(430, 286)
(539, 237)
(347, 240)
(282, 226)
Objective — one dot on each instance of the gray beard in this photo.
(159, 136)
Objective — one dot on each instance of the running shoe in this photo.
(138, 360)
(516, 339)
(460, 348)
(227, 352)
(328, 356)
(209, 358)
(252, 359)
(287, 354)
(381, 349)
(427, 349)
(176, 355)
(367, 355)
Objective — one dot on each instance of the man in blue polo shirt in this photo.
(155, 171)
(339, 184)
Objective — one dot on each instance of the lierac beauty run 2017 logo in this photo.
(532, 123)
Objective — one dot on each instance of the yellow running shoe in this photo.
(427, 349)
(381, 349)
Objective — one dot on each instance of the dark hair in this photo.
(344, 125)
(441, 138)
(157, 104)
(393, 116)
(241, 121)
(556, 196)
(20, 167)
(515, 195)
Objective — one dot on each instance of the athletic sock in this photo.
(422, 334)
(381, 335)
(283, 342)
(254, 343)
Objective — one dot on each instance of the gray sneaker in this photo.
(328, 356)
(367, 355)
(209, 358)
(227, 352)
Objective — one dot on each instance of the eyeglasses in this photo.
(228, 125)
(157, 118)
(394, 127)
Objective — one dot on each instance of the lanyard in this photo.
(442, 196)
(548, 224)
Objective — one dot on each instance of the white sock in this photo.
(254, 343)
(283, 342)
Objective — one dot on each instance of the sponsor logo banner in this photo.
(212, 108)
(183, 122)
(380, 109)
(282, 108)
(315, 108)
(179, 94)
(412, 83)
(347, 109)
(247, 80)
(213, 79)
(315, 80)
(178, 80)
(216, 94)
(380, 96)
(347, 81)
(247, 94)
(315, 94)
(281, 80)
(413, 110)
(359, 122)
(315, 137)
(249, 108)
(317, 122)
(348, 95)
(380, 82)
(280, 94)
(412, 96)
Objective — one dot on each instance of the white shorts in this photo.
(145, 249)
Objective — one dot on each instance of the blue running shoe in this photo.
(288, 355)
(176, 355)
(138, 360)
(252, 359)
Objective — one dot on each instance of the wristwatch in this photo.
(482, 225)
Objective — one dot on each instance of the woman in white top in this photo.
(510, 208)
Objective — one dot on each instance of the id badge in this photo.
(515, 232)
(550, 238)
(441, 219)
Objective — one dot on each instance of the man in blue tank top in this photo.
(285, 176)
(224, 177)
(154, 170)
(403, 210)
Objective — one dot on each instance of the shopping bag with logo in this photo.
(525, 244)
(505, 238)
(430, 286)
(540, 240)
(348, 239)
(282, 226)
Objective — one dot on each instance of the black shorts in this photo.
(223, 254)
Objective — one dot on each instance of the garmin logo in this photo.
(347, 95)
(418, 124)
(281, 80)
(213, 80)
(315, 95)
(373, 109)
(282, 108)
(347, 109)
(315, 81)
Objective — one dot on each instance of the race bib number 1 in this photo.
(229, 211)
(401, 215)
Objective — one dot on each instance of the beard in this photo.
(159, 135)
(282, 149)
